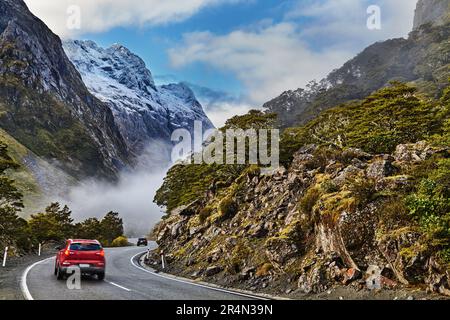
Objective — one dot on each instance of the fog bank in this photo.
(132, 196)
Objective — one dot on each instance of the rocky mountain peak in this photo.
(181, 90)
(143, 111)
(436, 12)
(115, 62)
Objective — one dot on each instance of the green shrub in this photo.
(394, 213)
(429, 206)
(227, 208)
(120, 242)
(309, 200)
(362, 188)
(390, 116)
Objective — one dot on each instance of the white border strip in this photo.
(23, 281)
(193, 283)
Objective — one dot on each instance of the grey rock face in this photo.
(48, 100)
(436, 12)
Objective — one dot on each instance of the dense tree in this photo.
(55, 224)
(88, 229)
(11, 226)
(393, 115)
(184, 184)
(111, 227)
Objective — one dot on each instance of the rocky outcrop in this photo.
(309, 228)
(436, 12)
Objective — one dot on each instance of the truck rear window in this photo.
(85, 247)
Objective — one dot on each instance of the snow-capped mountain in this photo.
(143, 111)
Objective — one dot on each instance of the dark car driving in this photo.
(142, 242)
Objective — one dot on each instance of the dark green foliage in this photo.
(184, 184)
(88, 229)
(430, 206)
(106, 230)
(55, 224)
(254, 119)
(309, 200)
(12, 228)
(111, 228)
(227, 208)
(391, 116)
(48, 128)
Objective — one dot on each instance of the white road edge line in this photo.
(118, 286)
(23, 281)
(192, 283)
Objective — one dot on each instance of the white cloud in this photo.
(273, 57)
(102, 15)
(268, 60)
(219, 113)
(344, 21)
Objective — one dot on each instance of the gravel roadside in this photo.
(10, 276)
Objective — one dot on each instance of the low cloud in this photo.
(221, 112)
(103, 15)
(219, 105)
(132, 196)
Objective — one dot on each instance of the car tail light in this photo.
(67, 252)
(101, 253)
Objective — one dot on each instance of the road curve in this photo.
(125, 280)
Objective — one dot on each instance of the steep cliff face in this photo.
(143, 111)
(422, 59)
(436, 12)
(45, 104)
(37, 179)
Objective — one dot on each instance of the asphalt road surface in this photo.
(125, 280)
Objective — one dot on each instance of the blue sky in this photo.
(251, 50)
(152, 43)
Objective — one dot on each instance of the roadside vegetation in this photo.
(377, 170)
(54, 224)
(187, 183)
